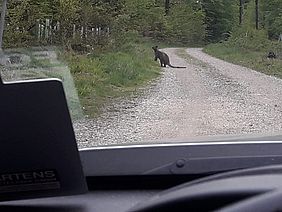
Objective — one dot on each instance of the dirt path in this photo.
(209, 97)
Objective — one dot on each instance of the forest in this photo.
(107, 43)
(106, 23)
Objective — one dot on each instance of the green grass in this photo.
(256, 60)
(100, 77)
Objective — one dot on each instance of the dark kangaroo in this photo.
(163, 57)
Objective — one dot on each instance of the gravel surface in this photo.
(209, 97)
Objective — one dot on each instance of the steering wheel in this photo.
(256, 189)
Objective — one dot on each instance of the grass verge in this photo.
(256, 60)
(100, 77)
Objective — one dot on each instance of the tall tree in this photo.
(220, 18)
(257, 14)
(271, 17)
(186, 24)
(68, 14)
(241, 11)
(167, 5)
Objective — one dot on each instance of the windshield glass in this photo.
(152, 71)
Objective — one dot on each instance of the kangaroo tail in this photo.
(176, 66)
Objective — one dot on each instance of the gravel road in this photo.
(209, 97)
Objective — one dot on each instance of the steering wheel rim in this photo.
(267, 188)
(268, 202)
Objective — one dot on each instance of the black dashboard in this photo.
(255, 189)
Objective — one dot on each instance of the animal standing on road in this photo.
(163, 57)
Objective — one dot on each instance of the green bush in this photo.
(250, 39)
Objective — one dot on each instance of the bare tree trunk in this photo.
(241, 11)
(257, 14)
(167, 7)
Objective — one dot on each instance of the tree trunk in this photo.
(167, 7)
(241, 11)
(257, 14)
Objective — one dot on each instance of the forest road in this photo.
(209, 97)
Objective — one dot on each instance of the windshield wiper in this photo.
(213, 165)
(180, 158)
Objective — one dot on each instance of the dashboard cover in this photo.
(38, 151)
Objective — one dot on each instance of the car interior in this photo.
(43, 170)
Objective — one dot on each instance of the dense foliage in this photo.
(261, 26)
(271, 12)
(251, 42)
(106, 23)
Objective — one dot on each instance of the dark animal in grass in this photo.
(163, 57)
(271, 55)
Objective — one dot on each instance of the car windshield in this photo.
(152, 71)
